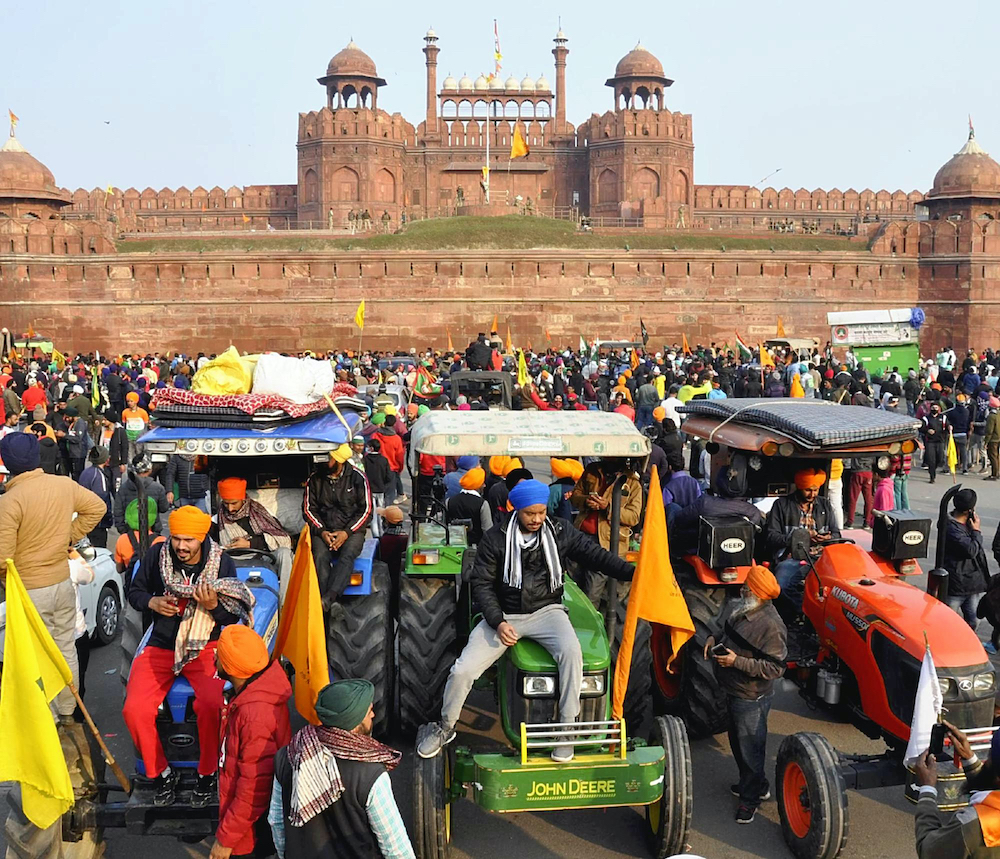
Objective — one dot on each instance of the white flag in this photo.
(926, 707)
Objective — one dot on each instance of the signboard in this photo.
(870, 333)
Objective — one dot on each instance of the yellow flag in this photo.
(781, 328)
(34, 672)
(952, 454)
(359, 315)
(518, 145)
(765, 357)
(301, 635)
(58, 359)
(522, 370)
(633, 360)
(654, 595)
(30, 333)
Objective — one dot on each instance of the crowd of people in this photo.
(86, 419)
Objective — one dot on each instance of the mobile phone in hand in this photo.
(719, 650)
(938, 732)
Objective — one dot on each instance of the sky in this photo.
(205, 92)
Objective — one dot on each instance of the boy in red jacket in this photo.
(255, 726)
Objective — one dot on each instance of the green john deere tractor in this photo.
(436, 614)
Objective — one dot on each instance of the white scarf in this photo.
(518, 541)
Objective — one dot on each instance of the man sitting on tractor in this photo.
(973, 831)
(190, 586)
(517, 581)
(338, 507)
(803, 509)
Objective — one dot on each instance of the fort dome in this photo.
(352, 61)
(24, 177)
(969, 173)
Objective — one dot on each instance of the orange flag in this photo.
(301, 634)
(655, 595)
(684, 344)
(781, 328)
(796, 390)
(634, 359)
(493, 327)
(509, 349)
(548, 337)
(765, 357)
(450, 347)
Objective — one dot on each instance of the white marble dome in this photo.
(527, 84)
(511, 85)
(481, 83)
(449, 83)
(465, 83)
(542, 85)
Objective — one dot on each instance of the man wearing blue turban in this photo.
(517, 581)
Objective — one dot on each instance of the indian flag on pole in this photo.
(746, 354)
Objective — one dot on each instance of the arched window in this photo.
(312, 186)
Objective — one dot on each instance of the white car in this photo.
(100, 600)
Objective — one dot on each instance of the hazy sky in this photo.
(844, 94)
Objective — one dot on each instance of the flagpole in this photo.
(110, 758)
(489, 107)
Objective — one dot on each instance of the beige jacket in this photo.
(631, 509)
(37, 525)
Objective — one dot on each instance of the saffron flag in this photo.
(522, 370)
(494, 328)
(14, 120)
(765, 357)
(548, 337)
(745, 354)
(952, 453)
(30, 333)
(246, 220)
(451, 348)
(508, 347)
(34, 672)
(781, 328)
(654, 595)
(926, 707)
(518, 145)
(359, 315)
(796, 389)
(301, 635)
(633, 360)
(684, 344)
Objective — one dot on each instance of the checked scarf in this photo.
(261, 522)
(316, 781)
(197, 623)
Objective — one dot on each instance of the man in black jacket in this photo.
(803, 509)
(338, 506)
(934, 432)
(517, 581)
(191, 589)
(965, 557)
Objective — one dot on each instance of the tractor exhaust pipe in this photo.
(937, 579)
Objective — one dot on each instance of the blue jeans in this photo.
(201, 502)
(901, 499)
(966, 605)
(790, 575)
(643, 416)
(748, 740)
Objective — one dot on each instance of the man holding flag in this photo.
(749, 657)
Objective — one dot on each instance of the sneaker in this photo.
(990, 648)
(562, 754)
(436, 739)
(402, 499)
(734, 789)
(204, 793)
(165, 788)
(745, 814)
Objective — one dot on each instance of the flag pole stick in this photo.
(110, 758)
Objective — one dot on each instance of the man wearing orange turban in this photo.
(749, 657)
(189, 586)
(804, 508)
(565, 473)
(245, 523)
(470, 504)
(255, 726)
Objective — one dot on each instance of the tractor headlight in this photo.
(592, 686)
(984, 682)
(538, 685)
(948, 688)
(882, 463)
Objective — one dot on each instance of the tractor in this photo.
(855, 648)
(436, 614)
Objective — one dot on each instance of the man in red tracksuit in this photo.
(392, 450)
(255, 726)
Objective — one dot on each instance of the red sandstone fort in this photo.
(72, 265)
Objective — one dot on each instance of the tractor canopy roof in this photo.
(798, 427)
(313, 435)
(528, 433)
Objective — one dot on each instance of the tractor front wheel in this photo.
(669, 818)
(432, 802)
(812, 798)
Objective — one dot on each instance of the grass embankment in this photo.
(500, 233)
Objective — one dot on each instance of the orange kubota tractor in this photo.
(857, 644)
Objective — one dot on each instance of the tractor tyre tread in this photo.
(676, 806)
(432, 839)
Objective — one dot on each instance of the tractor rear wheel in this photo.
(691, 690)
(432, 802)
(26, 841)
(812, 798)
(669, 818)
(360, 644)
(427, 647)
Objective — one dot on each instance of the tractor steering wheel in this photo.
(253, 554)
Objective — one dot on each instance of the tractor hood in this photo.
(860, 594)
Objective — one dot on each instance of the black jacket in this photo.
(49, 457)
(786, 514)
(190, 484)
(148, 583)
(378, 472)
(343, 503)
(495, 598)
(965, 560)
(127, 492)
(118, 447)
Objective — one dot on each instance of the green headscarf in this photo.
(344, 703)
(378, 418)
(132, 513)
(423, 410)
